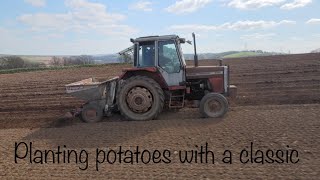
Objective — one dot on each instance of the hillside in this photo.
(243, 54)
(114, 58)
(231, 54)
(316, 51)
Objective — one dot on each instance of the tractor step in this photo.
(176, 101)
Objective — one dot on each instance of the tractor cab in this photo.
(163, 53)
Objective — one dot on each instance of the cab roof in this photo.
(154, 38)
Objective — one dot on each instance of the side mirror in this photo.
(182, 40)
(189, 42)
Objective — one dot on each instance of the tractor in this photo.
(158, 79)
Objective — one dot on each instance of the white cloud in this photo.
(82, 16)
(23, 43)
(258, 36)
(256, 4)
(141, 5)
(253, 4)
(187, 6)
(36, 3)
(240, 25)
(316, 35)
(88, 11)
(296, 4)
(313, 21)
(43, 21)
(295, 38)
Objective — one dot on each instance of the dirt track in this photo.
(278, 105)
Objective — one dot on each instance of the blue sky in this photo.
(72, 27)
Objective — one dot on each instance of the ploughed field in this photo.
(277, 107)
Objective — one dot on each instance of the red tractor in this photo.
(158, 78)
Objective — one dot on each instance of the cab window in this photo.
(168, 57)
(146, 54)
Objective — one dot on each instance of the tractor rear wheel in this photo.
(213, 105)
(91, 113)
(140, 98)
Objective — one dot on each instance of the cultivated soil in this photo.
(277, 108)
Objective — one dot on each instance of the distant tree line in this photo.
(14, 62)
(125, 58)
(71, 60)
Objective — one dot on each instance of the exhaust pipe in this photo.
(195, 51)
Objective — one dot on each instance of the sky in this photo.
(74, 27)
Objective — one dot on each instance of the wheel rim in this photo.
(91, 114)
(213, 107)
(139, 100)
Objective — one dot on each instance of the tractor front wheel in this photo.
(213, 105)
(91, 113)
(140, 98)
